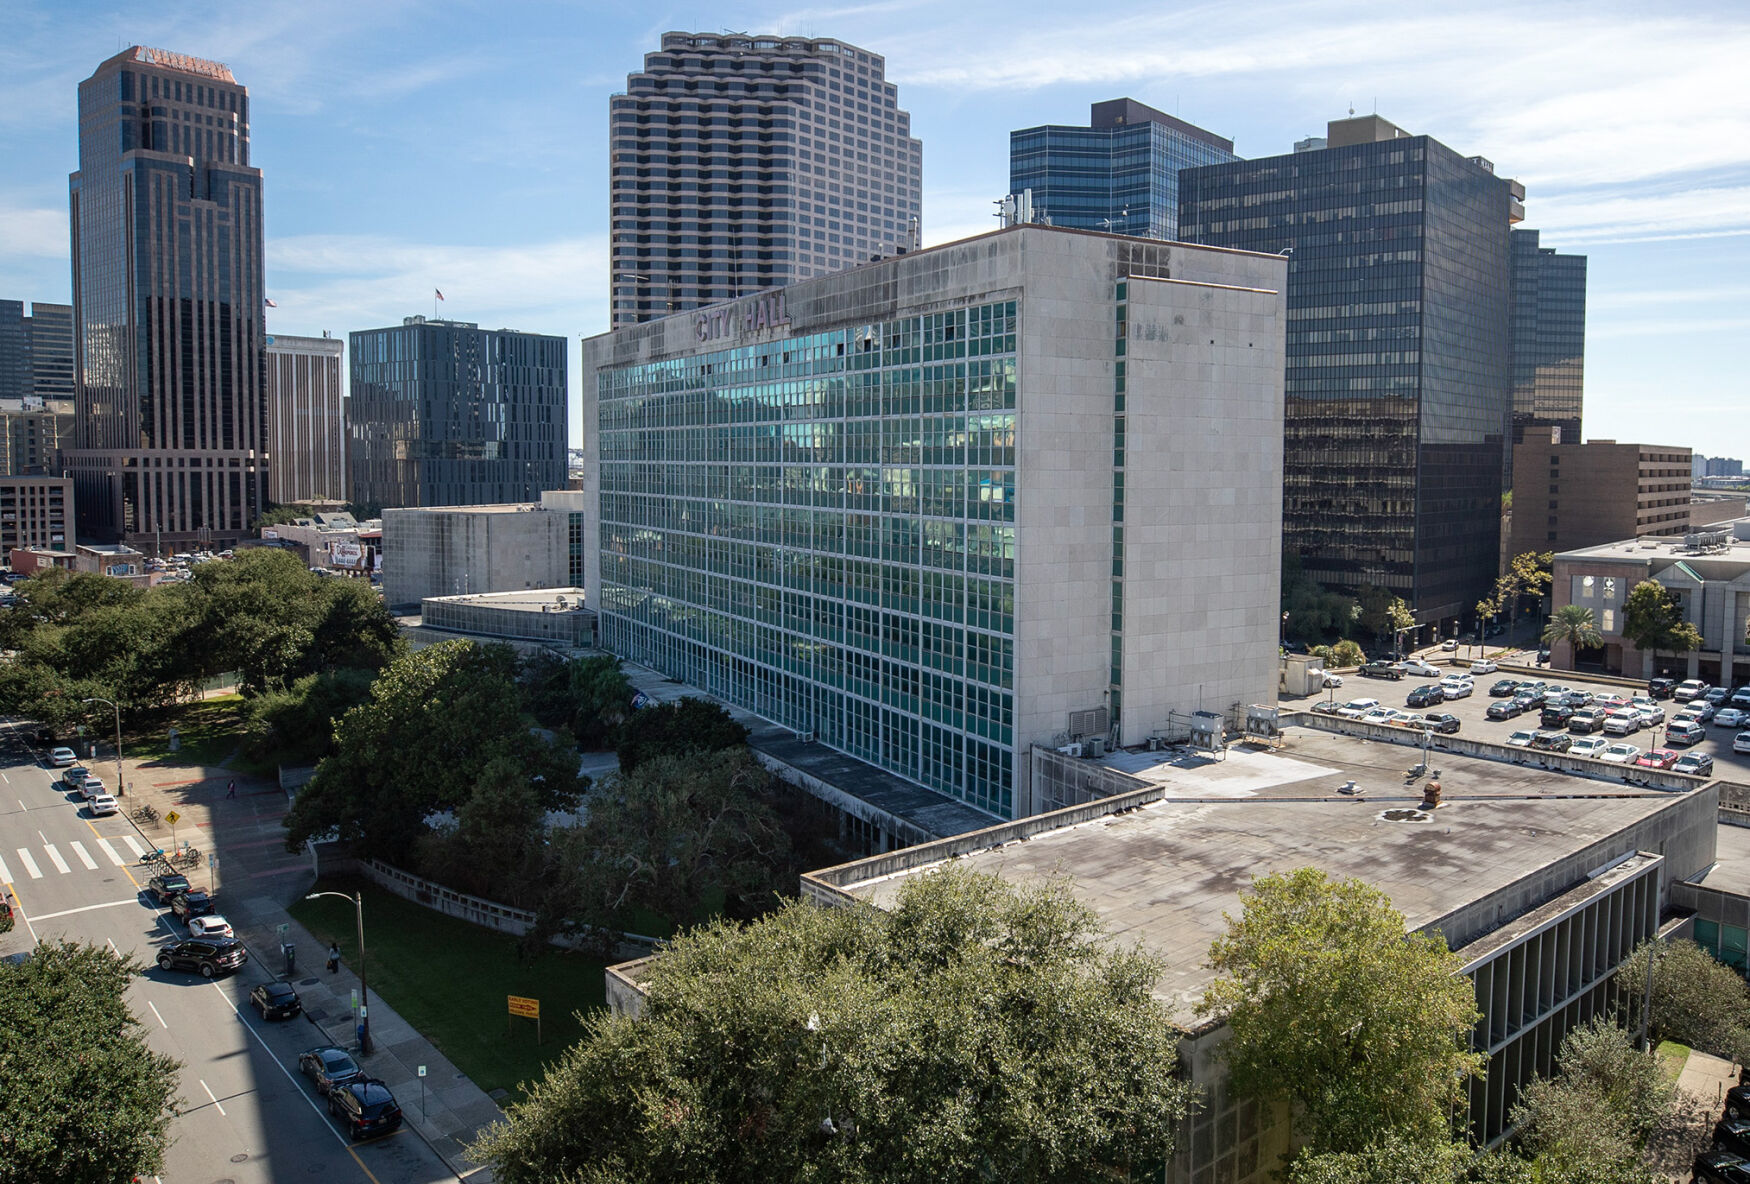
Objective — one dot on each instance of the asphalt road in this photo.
(1728, 765)
(247, 1115)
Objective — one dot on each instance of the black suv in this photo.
(1551, 741)
(209, 956)
(1661, 688)
(365, 1106)
(191, 902)
(1428, 696)
(165, 887)
(1557, 715)
(1720, 1167)
(1439, 721)
(1382, 670)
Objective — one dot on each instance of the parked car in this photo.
(1378, 715)
(276, 1001)
(1333, 680)
(1650, 711)
(1741, 742)
(210, 925)
(1689, 689)
(1420, 667)
(1728, 717)
(1685, 732)
(1716, 695)
(1587, 719)
(1738, 1100)
(1449, 646)
(1457, 686)
(1326, 708)
(72, 777)
(1661, 688)
(1556, 715)
(1656, 758)
(365, 1107)
(191, 902)
(1703, 711)
(1483, 666)
(1741, 697)
(1425, 696)
(1506, 709)
(1720, 1167)
(1622, 722)
(1554, 690)
(164, 886)
(1521, 739)
(1609, 700)
(1588, 746)
(1551, 741)
(1733, 1134)
(1696, 764)
(1619, 754)
(103, 804)
(207, 956)
(328, 1067)
(1446, 725)
(1381, 670)
(1504, 688)
(92, 786)
(1576, 700)
(62, 758)
(1356, 708)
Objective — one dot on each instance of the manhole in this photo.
(1405, 815)
(309, 982)
(240, 1157)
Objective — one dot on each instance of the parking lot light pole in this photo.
(120, 789)
(358, 902)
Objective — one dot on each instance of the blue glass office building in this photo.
(1120, 173)
(1397, 390)
(1549, 338)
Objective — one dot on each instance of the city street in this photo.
(246, 1113)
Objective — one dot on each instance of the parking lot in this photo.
(1474, 724)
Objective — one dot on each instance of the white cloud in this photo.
(33, 232)
(1631, 215)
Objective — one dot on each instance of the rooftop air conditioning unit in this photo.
(1071, 750)
(1096, 748)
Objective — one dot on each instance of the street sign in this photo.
(529, 1009)
(283, 928)
(212, 861)
(173, 818)
(422, 1070)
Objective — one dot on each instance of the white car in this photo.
(91, 787)
(1622, 722)
(1419, 667)
(1689, 689)
(1450, 645)
(1456, 686)
(1333, 680)
(1728, 717)
(1619, 754)
(1483, 666)
(1696, 764)
(103, 804)
(1588, 746)
(1356, 708)
(211, 925)
(1521, 739)
(1741, 742)
(62, 758)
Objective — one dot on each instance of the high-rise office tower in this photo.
(1548, 311)
(49, 328)
(1120, 173)
(445, 413)
(1397, 381)
(740, 163)
(306, 420)
(167, 304)
(15, 376)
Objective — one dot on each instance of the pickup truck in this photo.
(1382, 670)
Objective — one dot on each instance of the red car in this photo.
(1657, 758)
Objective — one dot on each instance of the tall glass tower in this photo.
(1549, 338)
(1397, 385)
(168, 325)
(740, 163)
(1119, 174)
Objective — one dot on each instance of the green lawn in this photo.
(1672, 1057)
(449, 979)
(209, 731)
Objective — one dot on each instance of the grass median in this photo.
(450, 980)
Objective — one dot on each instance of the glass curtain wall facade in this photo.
(1397, 388)
(1119, 174)
(822, 529)
(444, 413)
(306, 405)
(1548, 311)
(740, 163)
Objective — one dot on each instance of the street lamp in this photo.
(358, 903)
(120, 789)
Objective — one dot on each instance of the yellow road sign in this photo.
(529, 1009)
(173, 818)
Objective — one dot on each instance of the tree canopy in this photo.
(689, 724)
(976, 1031)
(1592, 1120)
(86, 1100)
(1652, 618)
(1333, 1005)
(1697, 1000)
(1574, 624)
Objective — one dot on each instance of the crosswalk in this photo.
(59, 862)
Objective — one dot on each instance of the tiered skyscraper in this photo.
(740, 163)
(167, 304)
(1120, 173)
(1398, 386)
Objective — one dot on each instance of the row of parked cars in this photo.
(1729, 1161)
(1582, 713)
(82, 781)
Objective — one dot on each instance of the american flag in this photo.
(271, 304)
(440, 294)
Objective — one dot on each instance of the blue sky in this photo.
(461, 145)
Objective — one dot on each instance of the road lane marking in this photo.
(18, 910)
(134, 845)
(215, 1098)
(89, 908)
(110, 851)
(55, 858)
(36, 873)
(296, 1084)
(84, 856)
(160, 1018)
(5, 778)
(5, 872)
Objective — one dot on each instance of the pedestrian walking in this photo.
(333, 958)
(231, 789)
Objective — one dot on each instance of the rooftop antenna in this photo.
(1351, 109)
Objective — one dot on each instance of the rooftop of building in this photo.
(1731, 869)
(1161, 873)
(490, 508)
(181, 62)
(116, 549)
(526, 600)
(1111, 114)
(1718, 543)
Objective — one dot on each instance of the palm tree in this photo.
(1574, 624)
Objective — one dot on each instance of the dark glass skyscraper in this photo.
(740, 163)
(167, 304)
(1397, 383)
(445, 413)
(1120, 173)
(1548, 310)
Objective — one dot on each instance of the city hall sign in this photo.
(743, 318)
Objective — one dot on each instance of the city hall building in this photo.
(1023, 489)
